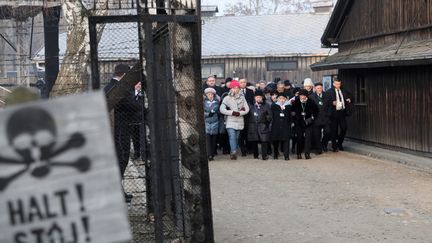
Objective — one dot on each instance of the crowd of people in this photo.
(268, 118)
(273, 118)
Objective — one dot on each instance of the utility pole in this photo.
(51, 16)
(18, 66)
(3, 28)
(23, 64)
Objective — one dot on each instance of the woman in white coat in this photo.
(234, 107)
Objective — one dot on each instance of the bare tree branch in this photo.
(260, 7)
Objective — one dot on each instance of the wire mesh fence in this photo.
(158, 125)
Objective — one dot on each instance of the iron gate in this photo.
(170, 179)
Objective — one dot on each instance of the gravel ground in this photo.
(332, 198)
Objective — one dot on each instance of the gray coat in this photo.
(211, 116)
(259, 123)
(230, 104)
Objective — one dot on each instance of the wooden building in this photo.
(385, 61)
(264, 47)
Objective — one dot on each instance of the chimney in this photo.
(322, 6)
(209, 10)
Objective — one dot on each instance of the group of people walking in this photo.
(279, 118)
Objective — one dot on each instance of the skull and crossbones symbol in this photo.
(32, 133)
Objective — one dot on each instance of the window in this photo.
(360, 90)
(281, 65)
(217, 69)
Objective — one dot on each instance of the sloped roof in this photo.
(226, 36)
(336, 22)
(291, 34)
(409, 53)
(119, 41)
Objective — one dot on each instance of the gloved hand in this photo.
(236, 113)
(242, 109)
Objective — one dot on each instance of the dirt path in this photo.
(333, 198)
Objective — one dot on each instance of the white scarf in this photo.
(340, 101)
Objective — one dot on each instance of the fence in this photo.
(161, 120)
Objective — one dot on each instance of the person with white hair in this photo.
(211, 109)
(308, 85)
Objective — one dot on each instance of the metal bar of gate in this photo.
(205, 176)
(95, 78)
(143, 131)
(153, 125)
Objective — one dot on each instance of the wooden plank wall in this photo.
(371, 17)
(398, 109)
(255, 69)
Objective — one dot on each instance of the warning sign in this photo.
(59, 178)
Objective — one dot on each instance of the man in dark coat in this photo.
(339, 102)
(137, 120)
(124, 112)
(281, 126)
(295, 97)
(288, 88)
(211, 83)
(321, 128)
(259, 125)
(305, 113)
(245, 91)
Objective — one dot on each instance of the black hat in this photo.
(295, 90)
(121, 69)
(229, 79)
(303, 92)
(287, 83)
(283, 94)
(270, 88)
(318, 84)
(276, 80)
(259, 93)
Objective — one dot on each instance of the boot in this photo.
(307, 156)
(233, 156)
(299, 156)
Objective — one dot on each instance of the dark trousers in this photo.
(264, 149)
(285, 148)
(338, 128)
(223, 142)
(122, 142)
(294, 139)
(242, 141)
(321, 134)
(211, 144)
(304, 139)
